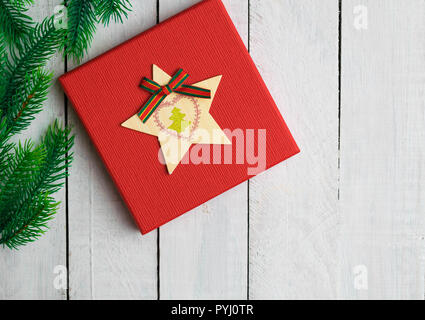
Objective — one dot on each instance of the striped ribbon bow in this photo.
(159, 93)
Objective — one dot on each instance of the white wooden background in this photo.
(344, 219)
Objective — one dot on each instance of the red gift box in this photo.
(105, 92)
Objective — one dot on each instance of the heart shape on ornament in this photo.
(178, 117)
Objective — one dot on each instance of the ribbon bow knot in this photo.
(159, 93)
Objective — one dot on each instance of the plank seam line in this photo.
(158, 253)
(66, 191)
(65, 67)
(339, 90)
(248, 208)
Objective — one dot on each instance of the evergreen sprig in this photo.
(108, 10)
(14, 23)
(26, 203)
(28, 101)
(22, 3)
(5, 148)
(31, 224)
(41, 44)
(81, 27)
(3, 55)
(57, 142)
(3, 59)
(30, 174)
(24, 164)
(82, 18)
(2, 50)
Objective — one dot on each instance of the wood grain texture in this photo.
(29, 272)
(108, 257)
(203, 254)
(293, 206)
(382, 149)
(304, 241)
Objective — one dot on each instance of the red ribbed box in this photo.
(105, 92)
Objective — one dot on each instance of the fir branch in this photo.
(3, 59)
(5, 148)
(29, 102)
(21, 230)
(36, 49)
(57, 142)
(107, 10)
(14, 23)
(2, 49)
(4, 134)
(81, 28)
(17, 179)
(27, 214)
(22, 3)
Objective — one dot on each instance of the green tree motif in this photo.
(179, 124)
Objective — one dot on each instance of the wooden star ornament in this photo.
(180, 120)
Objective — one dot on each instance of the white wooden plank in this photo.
(382, 188)
(203, 254)
(108, 256)
(293, 206)
(29, 272)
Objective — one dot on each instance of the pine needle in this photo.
(81, 28)
(14, 23)
(108, 10)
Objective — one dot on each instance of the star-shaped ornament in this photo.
(180, 120)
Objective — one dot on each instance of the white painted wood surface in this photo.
(343, 219)
(293, 206)
(203, 254)
(382, 196)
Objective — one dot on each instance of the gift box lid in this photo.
(105, 92)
